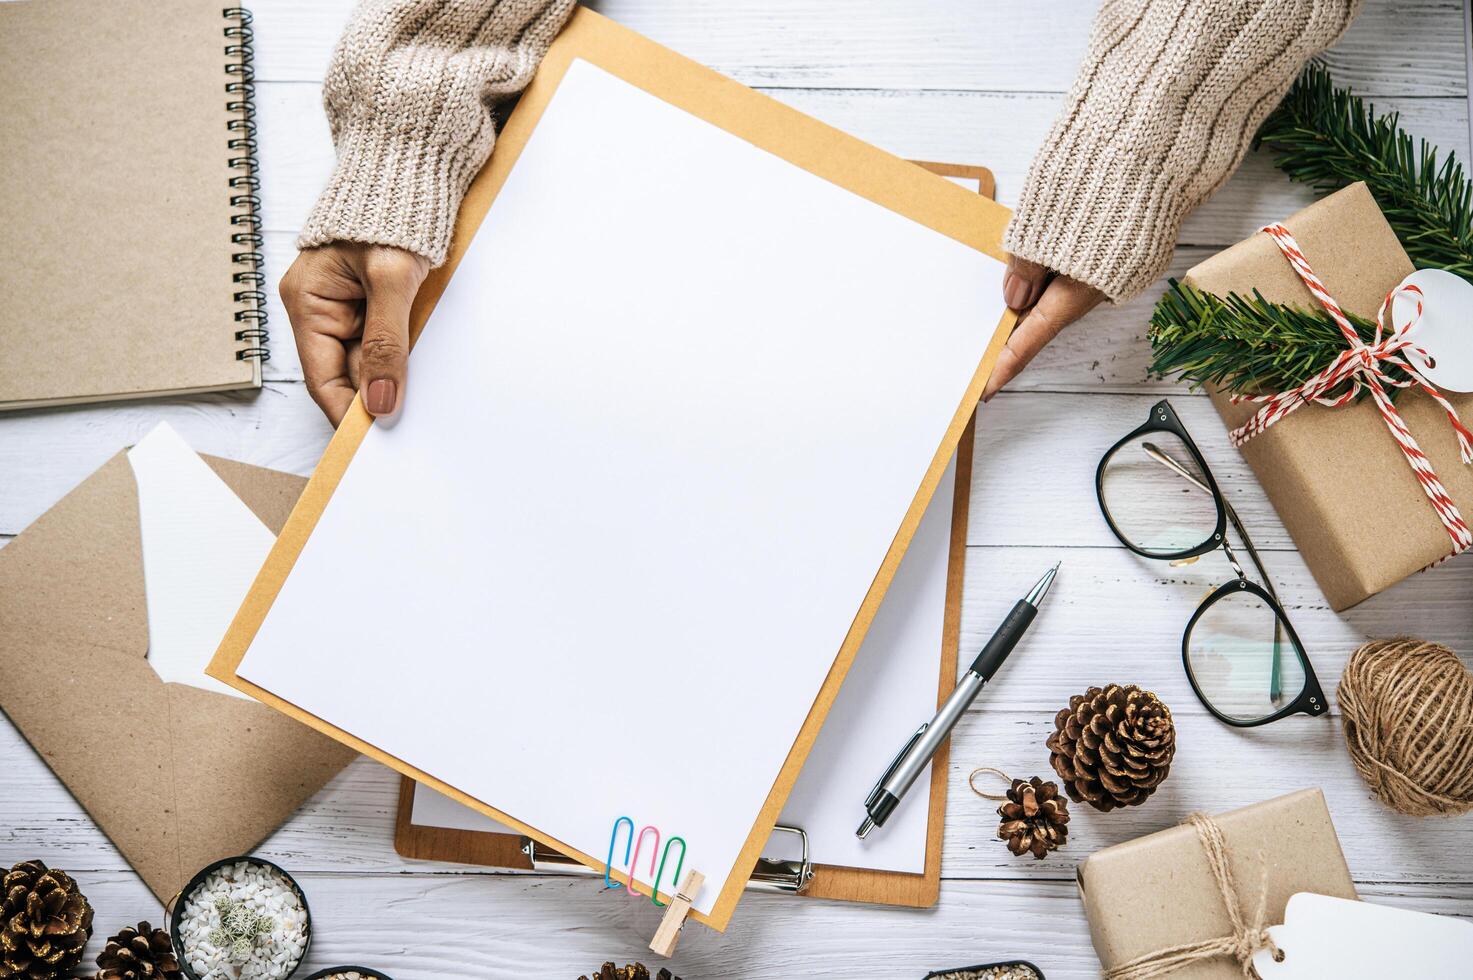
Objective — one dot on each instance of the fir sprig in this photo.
(1245, 346)
(1327, 137)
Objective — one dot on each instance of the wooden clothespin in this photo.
(669, 932)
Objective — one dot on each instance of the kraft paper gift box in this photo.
(1336, 477)
(175, 775)
(1159, 891)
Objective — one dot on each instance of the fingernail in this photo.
(1015, 290)
(380, 400)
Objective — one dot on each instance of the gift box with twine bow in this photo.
(1191, 902)
(1338, 479)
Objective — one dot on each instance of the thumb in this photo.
(1064, 301)
(390, 284)
(1023, 283)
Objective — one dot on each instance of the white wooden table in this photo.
(956, 80)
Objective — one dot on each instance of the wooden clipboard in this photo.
(845, 884)
(847, 162)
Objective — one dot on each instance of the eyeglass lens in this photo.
(1157, 496)
(1242, 658)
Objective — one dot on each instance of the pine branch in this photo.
(1327, 137)
(1244, 346)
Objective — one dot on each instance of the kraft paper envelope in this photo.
(175, 775)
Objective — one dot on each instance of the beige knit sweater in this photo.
(1161, 113)
(409, 96)
(1164, 107)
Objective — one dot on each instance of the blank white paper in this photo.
(890, 690)
(659, 435)
(202, 547)
(431, 808)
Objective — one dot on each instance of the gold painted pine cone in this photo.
(44, 923)
(1112, 746)
(1034, 818)
(144, 953)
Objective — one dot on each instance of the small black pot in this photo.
(177, 917)
(362, 971)
(985, 966)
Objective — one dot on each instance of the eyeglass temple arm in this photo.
(1181, 471)
(1275, 683)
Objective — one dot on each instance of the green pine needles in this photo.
(1328, 138)
(1246, 346)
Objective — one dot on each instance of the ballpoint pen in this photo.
(916, 753)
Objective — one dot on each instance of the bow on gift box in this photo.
(1363, 364)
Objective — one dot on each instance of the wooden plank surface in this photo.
(938, 79)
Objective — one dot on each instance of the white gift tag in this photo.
(1445, 330)
(1335, 937)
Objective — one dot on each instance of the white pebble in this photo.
(263, 890)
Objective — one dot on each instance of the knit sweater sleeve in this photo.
(1162, 112)
(409, 97)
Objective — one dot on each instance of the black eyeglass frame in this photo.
(1311, 700)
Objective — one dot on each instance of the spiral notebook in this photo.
(128, 198)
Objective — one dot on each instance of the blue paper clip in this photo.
(613, 839)
(639, 841)
(655, 889)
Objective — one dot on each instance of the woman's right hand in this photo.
(349, 308)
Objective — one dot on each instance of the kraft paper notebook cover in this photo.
(128, 238)
(176, 776)
(687, 393)
(430, 827)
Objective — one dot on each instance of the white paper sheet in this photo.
(891, 688)
(432, 808)
(659, 435)
(201, 549)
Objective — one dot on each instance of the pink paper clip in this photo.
(634, 862)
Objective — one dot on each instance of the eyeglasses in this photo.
(1241, 654)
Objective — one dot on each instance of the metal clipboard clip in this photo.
(769, 874)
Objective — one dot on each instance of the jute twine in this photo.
(1248, 935)
(1407, 709)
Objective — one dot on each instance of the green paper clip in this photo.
(655, 889)
(613, 838)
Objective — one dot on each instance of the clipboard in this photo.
(800, 876)
(797, 877)
(810, 146)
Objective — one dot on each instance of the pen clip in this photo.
(874, 794)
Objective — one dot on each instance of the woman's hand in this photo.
(1051, 302)
(349, 308)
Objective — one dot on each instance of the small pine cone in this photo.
(1034, 818)
(45, 922)
(144, 953)
(1112, 746)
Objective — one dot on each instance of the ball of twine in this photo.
(1407, 710)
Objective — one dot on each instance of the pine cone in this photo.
(1034, 818)
(144, 953)
(1112, 746)
(44, 923)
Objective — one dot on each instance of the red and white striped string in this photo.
(1360, 365)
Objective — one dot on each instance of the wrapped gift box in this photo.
(1336, 477)
(1159, 891)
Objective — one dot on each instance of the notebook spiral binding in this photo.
(245, 186)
